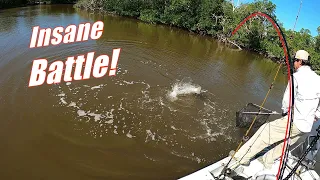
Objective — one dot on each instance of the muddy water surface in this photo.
(169, 111)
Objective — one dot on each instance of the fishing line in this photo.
(252, 144)
(297, 16)
(255, 117)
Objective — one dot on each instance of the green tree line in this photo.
(216, 18)
(62, 1)
(15, 3)
(11, 3)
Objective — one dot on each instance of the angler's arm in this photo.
(286, 96)
(318, 112)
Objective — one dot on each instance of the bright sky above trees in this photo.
(287, 11)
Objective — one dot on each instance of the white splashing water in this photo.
(81, 113)
(182, 88)
(107, 117)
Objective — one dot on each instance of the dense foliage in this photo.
(216, 18)
(62, 1)
(16, 3)
(208, 17)
(11, 3)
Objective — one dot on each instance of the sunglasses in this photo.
(296, 60)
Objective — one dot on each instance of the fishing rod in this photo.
(297, 16)
(289, 64)
(282, 168)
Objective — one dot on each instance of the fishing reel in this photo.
(231, 175)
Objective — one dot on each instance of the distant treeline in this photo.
(12, 3)
(216, 18)
(17, 3)
(63, 1)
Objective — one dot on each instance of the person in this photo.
(306, 110)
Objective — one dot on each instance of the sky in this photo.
(287, 11)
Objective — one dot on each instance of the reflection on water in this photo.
(169, 111)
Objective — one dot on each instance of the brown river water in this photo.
(147, 122)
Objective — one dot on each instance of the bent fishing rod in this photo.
(289, 64)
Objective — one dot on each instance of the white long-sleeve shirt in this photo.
(306, 98)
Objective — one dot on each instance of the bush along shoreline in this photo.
(5, 4)
(216, 18)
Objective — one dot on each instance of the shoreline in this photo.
(35, 4)
(218, 37)
(224, 40)
(200, 33)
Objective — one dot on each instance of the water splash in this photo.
(183, 88)
(158, 115)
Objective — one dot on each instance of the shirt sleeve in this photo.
(318, 94)
(318, 111)
(285, 100)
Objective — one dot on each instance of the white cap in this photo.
(302, 54)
